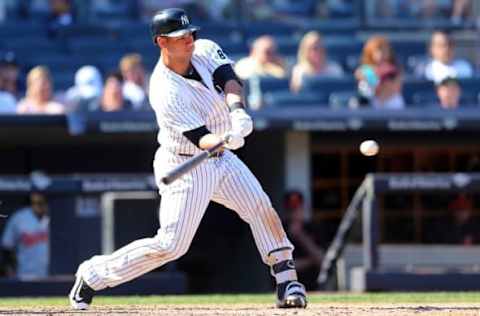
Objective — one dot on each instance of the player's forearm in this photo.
(234, 94)
(208, 141)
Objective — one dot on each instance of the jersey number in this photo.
(221, 54)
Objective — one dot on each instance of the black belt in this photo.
(218, 154)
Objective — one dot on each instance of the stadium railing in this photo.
(375, 274)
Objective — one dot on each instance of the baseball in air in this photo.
(369, 148)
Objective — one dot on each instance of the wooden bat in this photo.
(191, 163)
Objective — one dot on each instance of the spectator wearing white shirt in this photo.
(39, 97)
(133, 72)
(443, 63)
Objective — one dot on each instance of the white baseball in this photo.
(369, 147)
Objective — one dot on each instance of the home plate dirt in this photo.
(259, 310)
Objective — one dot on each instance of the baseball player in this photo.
(198, 101)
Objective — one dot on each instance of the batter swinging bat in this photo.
(191, 163)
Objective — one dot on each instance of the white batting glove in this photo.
(241, 122)
(234, 140)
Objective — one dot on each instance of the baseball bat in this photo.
(191, 163)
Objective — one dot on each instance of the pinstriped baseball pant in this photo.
(226, 180)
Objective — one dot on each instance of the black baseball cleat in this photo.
(291, 294)
(81, 294)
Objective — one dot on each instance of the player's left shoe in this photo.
(291, 294)
(81, 294)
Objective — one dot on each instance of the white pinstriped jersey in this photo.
(182, 104)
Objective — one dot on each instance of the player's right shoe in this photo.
(81, 294)
(291, 294)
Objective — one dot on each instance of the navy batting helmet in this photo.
(171, 22)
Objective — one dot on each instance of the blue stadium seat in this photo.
(470, 85)
(25, 29)
(345, 49)
(412, 86)
(93, 47)
(333, 26)
(267, 84)
(219, 30)
(406, 48)
(342, 99)
(54, 61)
(24, 47)
(63, 80)
(252, 29)
(421, 99)
(328, 85)
(286, 98)
(90, 30)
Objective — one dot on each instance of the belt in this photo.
(217, 154)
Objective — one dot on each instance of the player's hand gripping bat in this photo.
(191, 163)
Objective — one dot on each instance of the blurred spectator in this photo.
(463, 229)
(8, 103)
(38, 98)
(308, 254)
(449, 93)
(443, 62)
(202, 10)
(123, 8)
(25, 240)
(376, 51)
(455, 10)
(112, 99)
(61, 15)
(312, 61)
(9, 71)
(88, 85)
(133, 73)
(220, 9)
(259, 10)
(388, 91)
(263, 60)
(461, 9)
(336, 8)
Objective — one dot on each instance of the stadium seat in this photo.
(268, 84)
(412, 86)
(24, 46)
(342, 99)
(421, 99)
(405, 48)
(328, 85)
(472, 85)
(286, 98)
(63, 80)
(76, 31)
(252, 30)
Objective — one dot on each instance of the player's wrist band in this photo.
(236, 105)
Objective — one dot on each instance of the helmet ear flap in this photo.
(194, 34)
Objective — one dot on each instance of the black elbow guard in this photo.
(195, 135)
(223, 74)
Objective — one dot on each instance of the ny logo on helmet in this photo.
(184, 19)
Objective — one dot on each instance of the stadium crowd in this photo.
(118, 80)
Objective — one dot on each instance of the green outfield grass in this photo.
(420, 298)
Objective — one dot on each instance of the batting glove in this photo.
(241, 122)
(234, 141)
